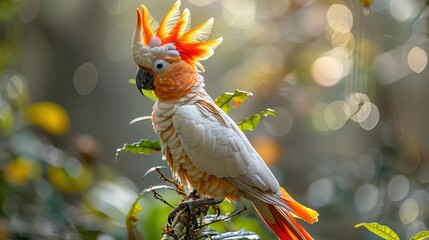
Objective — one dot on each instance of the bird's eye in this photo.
(160, 65)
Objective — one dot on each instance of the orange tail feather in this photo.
(284, 225)
(282, 219)
(305, 213)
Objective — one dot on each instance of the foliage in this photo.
(143, 146)
(387, 233)
(228, 100)
(250, 123)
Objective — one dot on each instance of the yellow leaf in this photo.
(421, 236)
(49, 116)
(20, 170)
(382, 231)
(65, 181)
(132, 218)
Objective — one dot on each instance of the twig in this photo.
(160, 198)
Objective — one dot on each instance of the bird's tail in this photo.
(282, 220)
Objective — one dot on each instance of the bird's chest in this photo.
(179, 161)
(171, 147)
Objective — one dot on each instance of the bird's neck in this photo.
(187, 96)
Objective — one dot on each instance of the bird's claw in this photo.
(191, 205)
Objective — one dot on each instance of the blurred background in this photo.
(349, 85)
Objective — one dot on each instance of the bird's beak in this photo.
(144, 80)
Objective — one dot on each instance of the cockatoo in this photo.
(203, 146)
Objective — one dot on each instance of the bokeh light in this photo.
(403, 10)
(15, 86)
(321, 192)
(327, 71)
(85, 78)
(336, 114)
(372, 120)
(318, 117)
(279, 125)
(201, 3)
(343, 43)
(398, 188)
(268, 148)
(340, 18)
(422, 175)
(239, 13)
(278, 7)
(417, 59)
(311, 22)
(408, 211)
(366, 198)
(269, 59)
(359, 106)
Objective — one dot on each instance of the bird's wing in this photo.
(216, 146)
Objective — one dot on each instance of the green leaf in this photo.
(380, 230)
(144, 146)
(132, 218)
(421, 236)
(228, 100)
(250, 123)
(149, 94)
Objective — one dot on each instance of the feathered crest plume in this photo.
(175, 34)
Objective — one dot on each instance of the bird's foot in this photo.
(193, 208)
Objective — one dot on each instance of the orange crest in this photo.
(172, 36)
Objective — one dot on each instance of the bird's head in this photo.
(168, 54)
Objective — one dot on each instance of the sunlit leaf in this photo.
(49, 116)
(132, 218)
(148, 93)
(143, 146)
(139, 119)
(382, 231)
(252, 122)
(421, 236)
(228, 100)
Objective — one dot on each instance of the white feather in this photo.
(221, 149)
